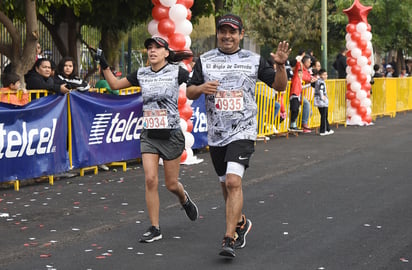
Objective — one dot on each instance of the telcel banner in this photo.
(105, 128)
(33, 139)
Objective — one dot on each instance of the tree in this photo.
(22, 52)
(23, 56)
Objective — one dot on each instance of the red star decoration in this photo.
(357, 12)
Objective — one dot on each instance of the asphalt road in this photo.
(335, 202)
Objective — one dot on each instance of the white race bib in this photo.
(155, 119)
(229, 101)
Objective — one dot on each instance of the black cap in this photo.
(233, 21)
(158, 40)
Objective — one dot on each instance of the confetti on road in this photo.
(45, 255)
(4, 215)
(404, 260)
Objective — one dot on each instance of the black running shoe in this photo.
(241, 231)
(152, 234)
(227, 247)
(190, 208)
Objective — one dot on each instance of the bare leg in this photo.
(171, 168)
(151, 167)
(234, 203)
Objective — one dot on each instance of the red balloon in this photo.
(369, 27)
(362, 44)
(348, 54)
(368, 94)
(362, 78)
(355, 103)
(166, 27)
(366, 86)
(186, 3)
(367, 119)
(355, 36)
(183, 156)
(361, 111)
(189, 14)
(350, 28)
(186, 112)
(369, 61)
(160, 12)
(177, 41)
(356, 70)
(156, 2)
(366, 52)
(350, 95)
(351, 61)
(182, 99)
(189, 125)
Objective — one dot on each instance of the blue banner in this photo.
(33, 139)
(105, 128)
(199, 123)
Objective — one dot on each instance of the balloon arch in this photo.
(359, 65)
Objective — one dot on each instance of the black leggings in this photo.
(294, 109)
(324, 124)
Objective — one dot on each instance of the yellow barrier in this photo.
(389, 96)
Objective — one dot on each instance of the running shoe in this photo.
(228, 247)
(294, 129)
(241, 232)
(330, 132)
(190, 208)
(152, 234)
(307, 130)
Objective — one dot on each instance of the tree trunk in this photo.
(111, 41)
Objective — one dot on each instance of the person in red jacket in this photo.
(300, 74)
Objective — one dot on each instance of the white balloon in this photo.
(183, 125)
(189, 153)
(189, 140)
(366, 36)
(356, 53)
(362, 61)
(168, 3)
(350, 45)
(366, 69)
(361, 95)
(355, 86)
(188, 42)
(361, 27)
(368, 77)
(184, 27)
(356, 120)
(347, 37)
(366, 102)
(351, 78)
(368, 111)
(370, 47)
(152, 27)
(350, 111)
(178, 13)
(348, 70)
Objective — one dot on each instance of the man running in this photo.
(227, 76)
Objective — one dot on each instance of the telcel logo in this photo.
(119, 130)
(30, 142)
